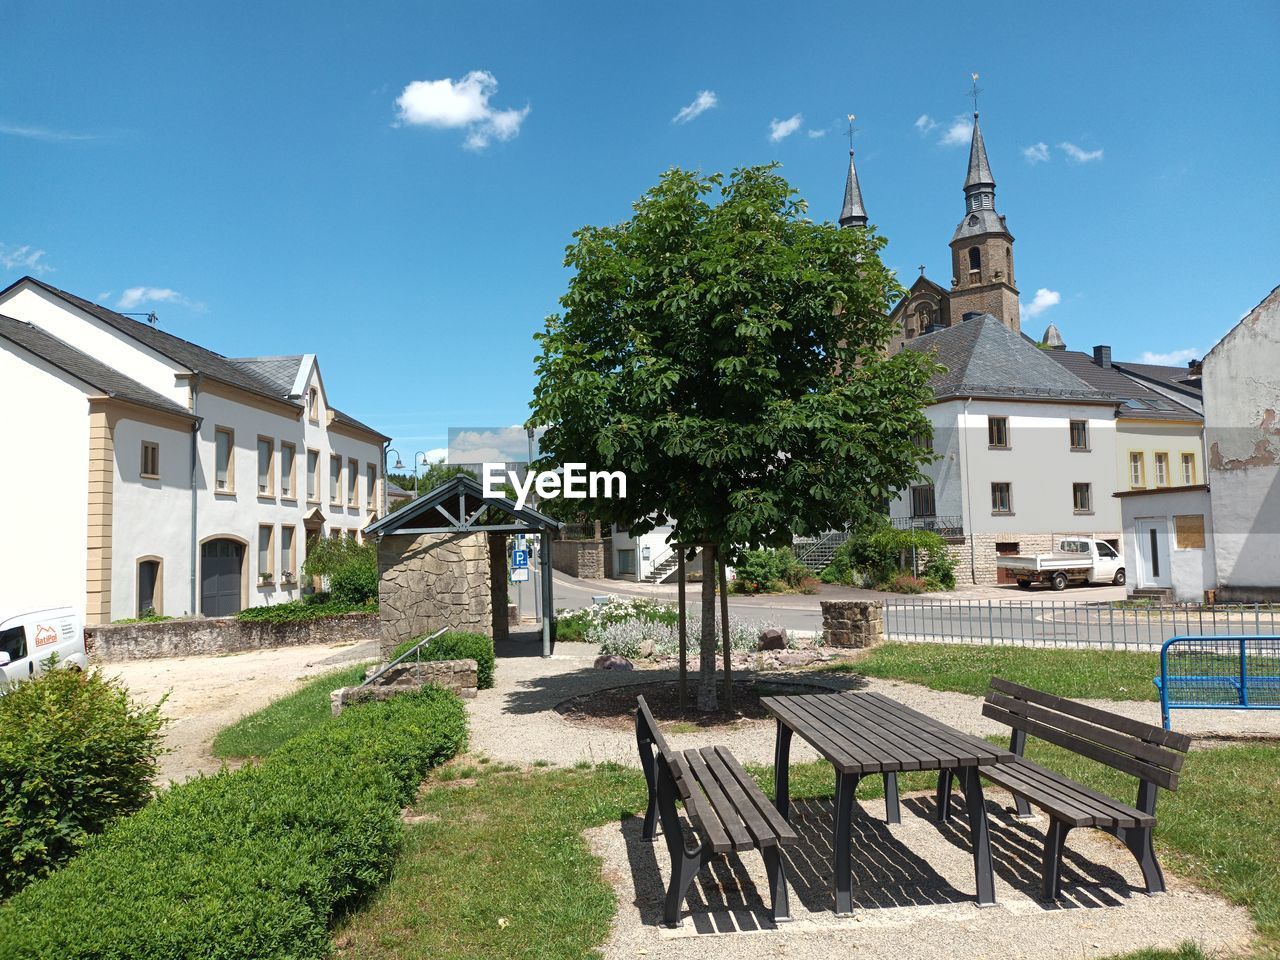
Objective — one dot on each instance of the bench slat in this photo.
(1119, 742)
(881, 749)
(888, 731)
(1130, 765)
(842, 755)
(1017, 781)
(777, 822)
(742, 806)
(1104, 718)
(1063, 797)
(1122, 814)
(960, 749)
(718, 804)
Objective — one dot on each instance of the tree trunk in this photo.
(684, 636)
(707, 700)
(724, 629)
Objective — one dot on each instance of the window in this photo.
(313, 476)
(1106, 551)
(1082, 497)
(288, 559)
(335, 534)
(922, 504)
(266, 466)
(1188, 468)
(1008, 262)
(1162, 469)
(925, 441)
(335, 480)
(1079, 434)
(1188, 531)
(998, 433)
(975, 260)
(1001, 498)
(288, 471)
(225, 471)
(266, 566)
(150, 460)
(313, 405)
(149, 600)
(353, 482)
(371, 483)
(626, 562)
(14, 642)
(1137, 469)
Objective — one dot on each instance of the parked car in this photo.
(1075, 560)
(28, 640)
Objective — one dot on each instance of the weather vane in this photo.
(975, 93)
(852, 128)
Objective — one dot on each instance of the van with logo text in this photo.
(28, 640)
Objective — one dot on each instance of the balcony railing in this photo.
(943, 526)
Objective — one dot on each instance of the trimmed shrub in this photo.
(298, 611)
(350, 567)
(254, 863)
(878, 556)
(768, 570)
(457, 645)
(75, 754)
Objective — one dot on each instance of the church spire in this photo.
(852, 214)
(979, 184)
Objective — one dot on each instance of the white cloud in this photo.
(704, 101)
(815, 134)
(25, 258)
(781, 129)
(1174, 358)
(1078, 154)
(1042, 301)
(959, 131)
(43, 133)
(925, 124)
(1036, 153)
(138, 296)
(437, 455)
(460, 104)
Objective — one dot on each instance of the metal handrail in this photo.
(404, 656)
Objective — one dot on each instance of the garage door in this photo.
(220, 565)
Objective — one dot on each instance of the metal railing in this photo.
(1068, 624)
(943, 526)
(415, 651)
(816, 552)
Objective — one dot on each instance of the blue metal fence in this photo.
(1219, 673)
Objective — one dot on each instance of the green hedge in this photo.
(298, 611)
(457, 645)
(253, 863)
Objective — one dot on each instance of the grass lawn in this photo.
(1101, 674)
(260, 733)
(499, 868)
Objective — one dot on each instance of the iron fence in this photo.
(1068, 624)
(943, 526)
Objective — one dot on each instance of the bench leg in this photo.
(980, 837)
(650, 830)
(1055, 839)
(1021, 808)
(846, 785)
(684, 867)
(892, 812)
(782, 771)
(943, 795)
(1139, 842)
(776, 870)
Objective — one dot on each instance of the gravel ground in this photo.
(913, 896)
(209, 693)
(528, 688)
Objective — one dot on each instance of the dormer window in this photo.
(313, 405)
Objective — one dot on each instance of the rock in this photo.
(612, 661)
(772, 639)
(646, 649)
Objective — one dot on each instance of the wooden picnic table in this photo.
(865, 734)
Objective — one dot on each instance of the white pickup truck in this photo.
(1076, 560)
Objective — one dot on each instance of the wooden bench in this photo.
(725, 807)
(1219, 673)
(1151, 754)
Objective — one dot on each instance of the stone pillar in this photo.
(498, 585)
(852, 623)
(431, 581)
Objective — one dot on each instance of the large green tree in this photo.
(730, 356)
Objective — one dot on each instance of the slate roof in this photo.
(986, 359)
(852, 214)
(979, 167)
(1178, 380)
(1136, 400)
(85, 368)
(259, 375)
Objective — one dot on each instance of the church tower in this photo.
(982, 278)
(852, 214)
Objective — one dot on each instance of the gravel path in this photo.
(209, 693)
(516, 721)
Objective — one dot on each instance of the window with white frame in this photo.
(288, 470)
(1082, 497)
(266, 466)
(1002, 497)
(1162, 469)
(224, 476)
(353, 482)
(1137, 469)
(1189, 468)
(335, 480)
(266, 558)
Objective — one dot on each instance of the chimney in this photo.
(1102, 355)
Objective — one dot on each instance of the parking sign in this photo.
(519, 558)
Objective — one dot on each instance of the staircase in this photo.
(666, 566)
(816, 552)
(1163, 596)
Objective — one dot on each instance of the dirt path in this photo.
(209, 693)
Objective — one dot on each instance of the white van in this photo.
(27, 640)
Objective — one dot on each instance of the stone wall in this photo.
(852, 623)
(579, 558)
(431, 581)
(456, 675)
(201, 636)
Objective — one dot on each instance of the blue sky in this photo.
(300, 179)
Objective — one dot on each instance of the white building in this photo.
(1026, 450)
(149, 473)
